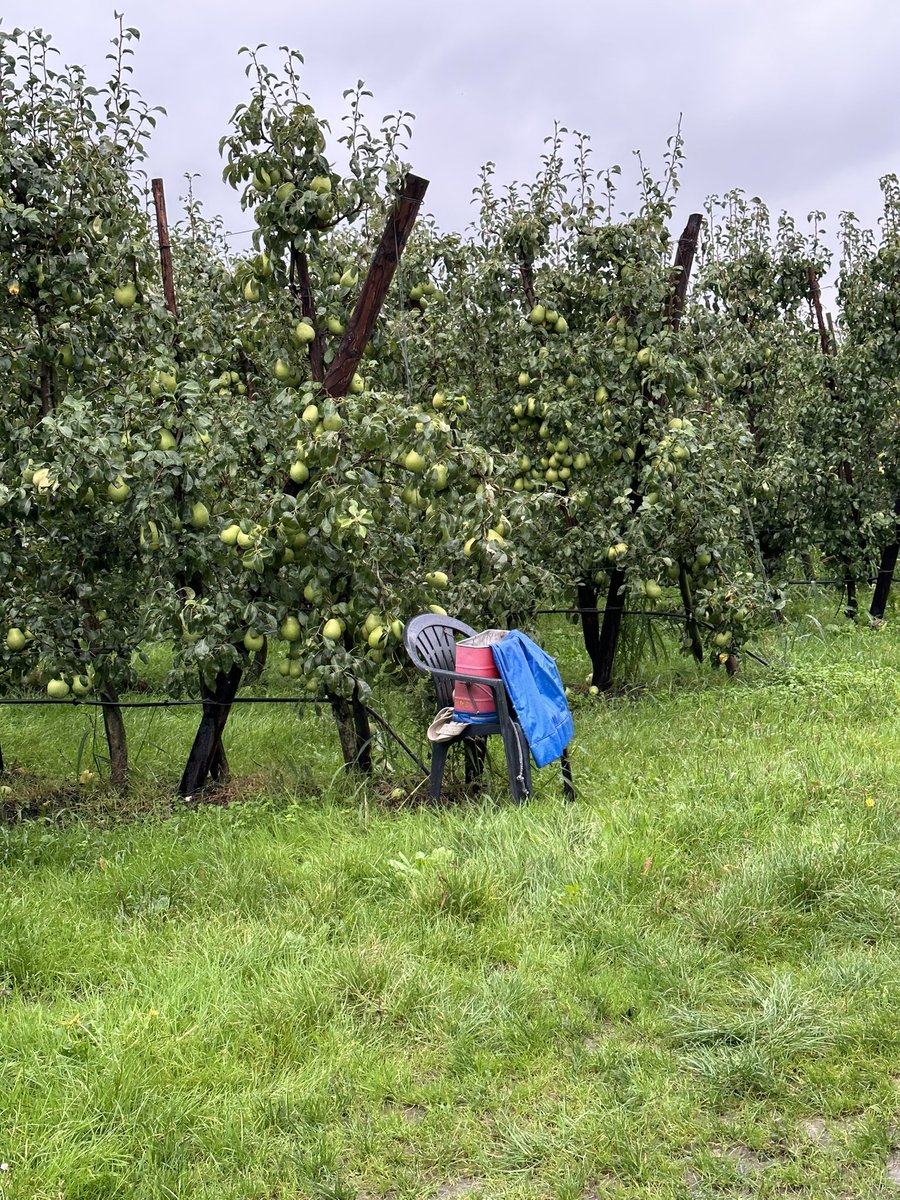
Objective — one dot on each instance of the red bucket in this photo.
(474, 656)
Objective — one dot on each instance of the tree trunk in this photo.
(852, 609)
(363, 733)
(883, 583)
(46, 389)
(684, 585)
(116, 739)
(885, 577)
(590, 625)
(207, 754)
(354, 731)
(601, 676)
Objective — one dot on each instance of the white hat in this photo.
(444, 728)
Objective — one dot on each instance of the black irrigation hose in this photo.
(161, 703)
(77, 701)
(398, 739)
(826, 582)
(628, 612)
(757, 657)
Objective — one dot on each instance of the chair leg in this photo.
(526, 759)
(517, 764)
(439, 752)
(568, 785)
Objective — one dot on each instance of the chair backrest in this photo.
(430, 641)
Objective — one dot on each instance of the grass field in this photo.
(685, 984)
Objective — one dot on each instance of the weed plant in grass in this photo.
(683, 985)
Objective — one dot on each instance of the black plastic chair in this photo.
(430, 641)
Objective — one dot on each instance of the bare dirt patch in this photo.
(465, 1186)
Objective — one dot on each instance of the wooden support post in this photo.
(681, 270)
(351, 716)
(165, 249)
(679, 279)
(816, 297)
(207, 756)
(302, 289)
(526, 270)
(375, 288)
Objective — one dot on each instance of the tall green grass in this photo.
(685, 984)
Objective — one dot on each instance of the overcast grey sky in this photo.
(797, 101)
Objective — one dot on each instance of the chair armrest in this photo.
(486, 680)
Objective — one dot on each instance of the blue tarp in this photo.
(532, 680)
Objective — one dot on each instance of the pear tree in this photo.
(76, 525)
